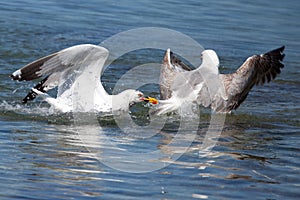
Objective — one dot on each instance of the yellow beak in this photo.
(150, 100)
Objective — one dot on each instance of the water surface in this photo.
(256, 156)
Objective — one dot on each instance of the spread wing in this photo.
(256, 70)
(171, 66)
(62, 68)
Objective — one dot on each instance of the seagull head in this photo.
(127, 98)
(210, 57)
(134, 96)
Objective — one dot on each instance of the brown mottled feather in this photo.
(169, 72)
(57, 67)
(256, 70)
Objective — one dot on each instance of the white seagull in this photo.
(207, 87)
(76, 71)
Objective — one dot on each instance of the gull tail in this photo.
(165, 106)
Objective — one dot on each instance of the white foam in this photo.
(17, 73)
(35, 110)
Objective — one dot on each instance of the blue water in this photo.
(256, 156)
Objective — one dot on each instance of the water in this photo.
(256, 156)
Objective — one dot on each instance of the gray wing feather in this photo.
(224, 92)
(180, 80)
(61, 68)
(193, 84)
(256, 70)
(170, 68)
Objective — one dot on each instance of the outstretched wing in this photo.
(171, 66)
(256, 70)
(61, 68)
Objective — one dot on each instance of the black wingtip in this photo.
(16, 76)
(171, 53)
(30, 96)
(281, 49)
(176, 61)
(277, 53)
(12, 77)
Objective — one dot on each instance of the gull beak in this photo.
(150, 100)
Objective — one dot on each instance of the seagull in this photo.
(76, 72)
(205, 85)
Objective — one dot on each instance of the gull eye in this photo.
(140, 95)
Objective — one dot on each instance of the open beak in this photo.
(150, 100)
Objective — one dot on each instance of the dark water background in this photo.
(257, 155)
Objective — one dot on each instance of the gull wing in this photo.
(171, 66)
(256, 70)
(62, 68)
(202, 84)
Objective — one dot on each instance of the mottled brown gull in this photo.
(205, 86)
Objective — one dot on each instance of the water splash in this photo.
(25, 109)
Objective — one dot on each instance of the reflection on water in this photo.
(59, 156)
